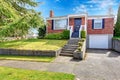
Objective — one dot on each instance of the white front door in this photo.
(98, 41)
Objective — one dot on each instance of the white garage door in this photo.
(98, 41)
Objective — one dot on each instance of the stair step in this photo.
(71, 52)
(66, 54)
(68, 49)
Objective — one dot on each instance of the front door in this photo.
(77, 24)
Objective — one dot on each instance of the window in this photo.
(60, 24)
(98, 24)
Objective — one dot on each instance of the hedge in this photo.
(63, 35)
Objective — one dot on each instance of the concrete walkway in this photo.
(99, 65)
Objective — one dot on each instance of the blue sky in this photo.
(65, 7)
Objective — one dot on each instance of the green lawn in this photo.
(21, 74)
(27, 58)
(34, 44)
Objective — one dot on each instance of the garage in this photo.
(98, 41)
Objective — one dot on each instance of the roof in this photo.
(84, 14)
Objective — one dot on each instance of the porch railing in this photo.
(71, 31)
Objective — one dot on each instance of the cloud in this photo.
(103, 3)
(95, 5)
(80, 8)
(91, 6)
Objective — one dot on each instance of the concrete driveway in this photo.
(99, 65)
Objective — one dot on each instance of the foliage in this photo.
(34, 44)
(117, 25)
(83, 34)
(65, 34)
(80, 43)
(21, 74)
(53, 36)
(16, 19)
(42, 32)
(116, 37)
(79, 49)
(62, 35)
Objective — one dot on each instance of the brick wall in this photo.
(83, 20)
(108, 27)
(71, 23)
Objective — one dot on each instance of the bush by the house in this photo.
(117, 26)
(83, 34)
(65, 34)
(42, 32)
(53, 36)
(62, 35)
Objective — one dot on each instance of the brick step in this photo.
(66, 54)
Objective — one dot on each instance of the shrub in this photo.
(83, 34)
(53, 36)
(42, 32)
(82, 40)
(65, 34)
(117, 26)
(79, 48)
(80, 43)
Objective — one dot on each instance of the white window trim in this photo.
(101, 24)
(54, 25)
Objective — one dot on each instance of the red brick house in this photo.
(99, 28)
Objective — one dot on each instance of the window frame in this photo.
(55, 24)
(101, 24)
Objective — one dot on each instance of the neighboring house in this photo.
(99, 28)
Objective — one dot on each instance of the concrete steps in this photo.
(71, 46)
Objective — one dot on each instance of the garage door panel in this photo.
(98, 41)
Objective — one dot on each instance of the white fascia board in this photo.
(100, 17)
(77, 15)
(56, 18)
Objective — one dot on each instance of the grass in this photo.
(27, 58)
(34, 44)
(21, 74)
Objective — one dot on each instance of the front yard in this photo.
(34, 44)
(21, 74)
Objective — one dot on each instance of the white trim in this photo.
(55, 18)
(77, 15)
(58, 29)
(100, 17)
(101, 24)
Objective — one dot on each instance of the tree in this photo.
(117, 25)
(16, 19)
(42, 32)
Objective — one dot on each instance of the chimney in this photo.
(51, 13)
